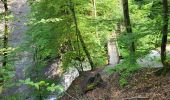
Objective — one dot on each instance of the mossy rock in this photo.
(90, 82)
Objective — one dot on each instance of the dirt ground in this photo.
(143, 85)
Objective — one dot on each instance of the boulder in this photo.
(91, 81)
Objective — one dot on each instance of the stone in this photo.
(91, 81)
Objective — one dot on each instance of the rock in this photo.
(91, 81)
(151, 60)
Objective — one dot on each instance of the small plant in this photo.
(125, 69)
(123, 82)
(42, 88)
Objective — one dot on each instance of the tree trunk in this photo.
(118, 31)
(5, 38)
(94, 9)
(128, 26)
(94, 14)
(164, 31)
(163, 71)
(80, 36)
(164, 38)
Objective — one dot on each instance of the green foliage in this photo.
(51, 27)
(9, 17)
(8, 50)
(43, 88)
(168, 56)
(68, 57)
(43, 21)
(125, 69)
(6, 73)
(123, 82)
(51, 34)
(52, 30)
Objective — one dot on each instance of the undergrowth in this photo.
(125, 69)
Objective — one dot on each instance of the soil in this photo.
(142, 85)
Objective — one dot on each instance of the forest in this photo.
(84, 50)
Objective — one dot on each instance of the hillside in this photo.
(142, 85)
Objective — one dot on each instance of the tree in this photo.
(128, 25)
(80, 36)
(5, 37)
(95, 15)
(164, 32)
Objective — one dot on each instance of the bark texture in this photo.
(80, 36)
(127, 22)
(164, 30)
(5, 37)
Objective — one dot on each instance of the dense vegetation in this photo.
(77, 32)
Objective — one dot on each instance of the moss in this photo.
(91, 86)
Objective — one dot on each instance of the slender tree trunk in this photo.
(40, 96)
(166, 65)
(94, 9)
(5, 38)
(128, 26)
(118, 31)
(80, 36)
(164, 31)
(95, 16)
